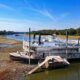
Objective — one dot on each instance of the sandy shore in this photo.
(12, 70)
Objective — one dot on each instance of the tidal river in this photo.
(69, 73)
(20, 37)
(72, 72)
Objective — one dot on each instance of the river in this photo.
(20, 37)
(57, 40)
(69, 73)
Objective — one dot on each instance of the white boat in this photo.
(49, 46)
(46, 48)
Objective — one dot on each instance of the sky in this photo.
(19, 15)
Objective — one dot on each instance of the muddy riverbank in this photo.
(12, 70)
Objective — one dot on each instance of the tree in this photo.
(72, 31)
(78, 31)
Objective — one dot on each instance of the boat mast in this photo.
(29, 43)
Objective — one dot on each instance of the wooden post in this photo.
(39, 39)
(78, 46)
(66, 43)
(34, 36)
(29, 44)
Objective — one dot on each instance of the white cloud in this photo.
(7, 7)
(64, 14)
(44, 11)
(22, 25)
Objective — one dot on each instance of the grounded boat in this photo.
(38, 51)
(46, 47)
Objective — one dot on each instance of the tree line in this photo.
(4, 32)
(70, 31)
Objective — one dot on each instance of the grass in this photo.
(11, 70)
(4, 52)
(4, 40)
(70, 37)
(6, 65)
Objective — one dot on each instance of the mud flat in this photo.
(12, 70)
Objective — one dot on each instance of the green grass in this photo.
(70, 37)
(4, 52)
(4, 40)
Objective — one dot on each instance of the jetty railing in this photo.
(72, 52)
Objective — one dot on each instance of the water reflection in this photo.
(70, 73)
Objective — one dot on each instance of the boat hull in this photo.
(55, 65)
(26, 60)
(73, 60)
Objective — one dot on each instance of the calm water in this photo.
(21, 37)
(70, 73)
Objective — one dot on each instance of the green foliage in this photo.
(7, 32)
(71, 31)
(10, 32)
(78, 31)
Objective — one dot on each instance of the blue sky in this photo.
(19, 15)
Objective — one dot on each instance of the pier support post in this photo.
(78, 46)
(29, 44)
(66, 44)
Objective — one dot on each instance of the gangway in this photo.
(57, 58)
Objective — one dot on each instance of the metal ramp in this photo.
(57, 58)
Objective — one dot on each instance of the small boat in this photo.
(22, 56)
